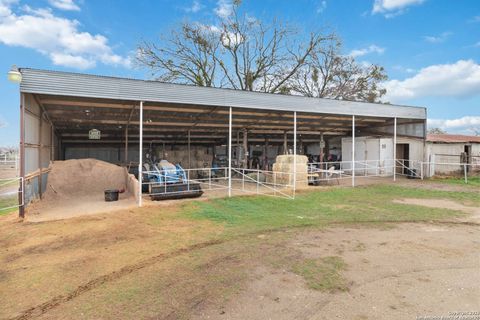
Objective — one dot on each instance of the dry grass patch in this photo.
(324, 274)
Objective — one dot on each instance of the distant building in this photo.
(448, 151)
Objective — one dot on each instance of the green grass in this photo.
(7, 185)
(323, 274)
(8, 201)
(336, 205)
(471, 181)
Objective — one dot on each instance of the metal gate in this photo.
(270, 183)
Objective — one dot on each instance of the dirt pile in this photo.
(83, 177)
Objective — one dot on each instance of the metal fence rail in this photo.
(10, 191)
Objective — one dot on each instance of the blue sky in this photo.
(430, 48)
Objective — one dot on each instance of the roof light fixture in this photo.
(14, 75)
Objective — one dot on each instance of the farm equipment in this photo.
(166, 180)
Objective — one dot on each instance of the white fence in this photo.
(281, 184)
(10, 193)
(9, 161)
(247, 181)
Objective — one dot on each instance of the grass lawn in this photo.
(336, 205)
(472, 181)
(8, 201)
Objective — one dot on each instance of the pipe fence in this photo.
(11, 190)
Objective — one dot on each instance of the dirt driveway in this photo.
(400, 273)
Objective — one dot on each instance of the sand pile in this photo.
(83, 177)
(283, 170)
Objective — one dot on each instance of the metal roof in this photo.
(103, 87)
(452, 138)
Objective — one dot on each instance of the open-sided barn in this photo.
(212, 133)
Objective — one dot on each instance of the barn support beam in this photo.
(126, 146)
(140, 154)
(395, 149)
(238, 148)
(126, 133)
(40, 148)
(245, 149)
(353, 151)
(188, 147)
(294, 152)
(21, 194)
(322, 151)
(265, 154)
(230, 153)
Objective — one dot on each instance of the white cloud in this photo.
(364, 51)
(55, 37)
(224, 8)
(209, 28)
(467, 124)
(195, 7)
(392, 8)
(231, 39)
(475, 19)
(322, 6)
(438, 39)
(460, 79)
(68, 5)
(3, 123)
(65, 59)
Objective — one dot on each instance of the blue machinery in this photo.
(168, 181)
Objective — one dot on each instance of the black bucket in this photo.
(111, 195)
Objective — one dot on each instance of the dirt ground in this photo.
(411, 270)
(8, 173)
(153, 263)
(85, 205)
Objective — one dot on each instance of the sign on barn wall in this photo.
(94, 134)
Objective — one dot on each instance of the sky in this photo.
(429, 48)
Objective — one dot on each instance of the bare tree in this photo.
(244, 53)
(240, 53)
(328, 74)
(262, 57)
(188, 56)
(436, 131)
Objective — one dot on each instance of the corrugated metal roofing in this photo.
(93, 86)
(452, 138)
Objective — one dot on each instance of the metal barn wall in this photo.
(109, 154)
(39, 142)
(407, 129)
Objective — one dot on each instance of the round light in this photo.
(14, 75)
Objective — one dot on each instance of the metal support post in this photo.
(294, 152)
(140, 163)
(230, 152)
(353, 151)
(395, 149)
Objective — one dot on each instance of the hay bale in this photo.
(253, 175)
(283, 170)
